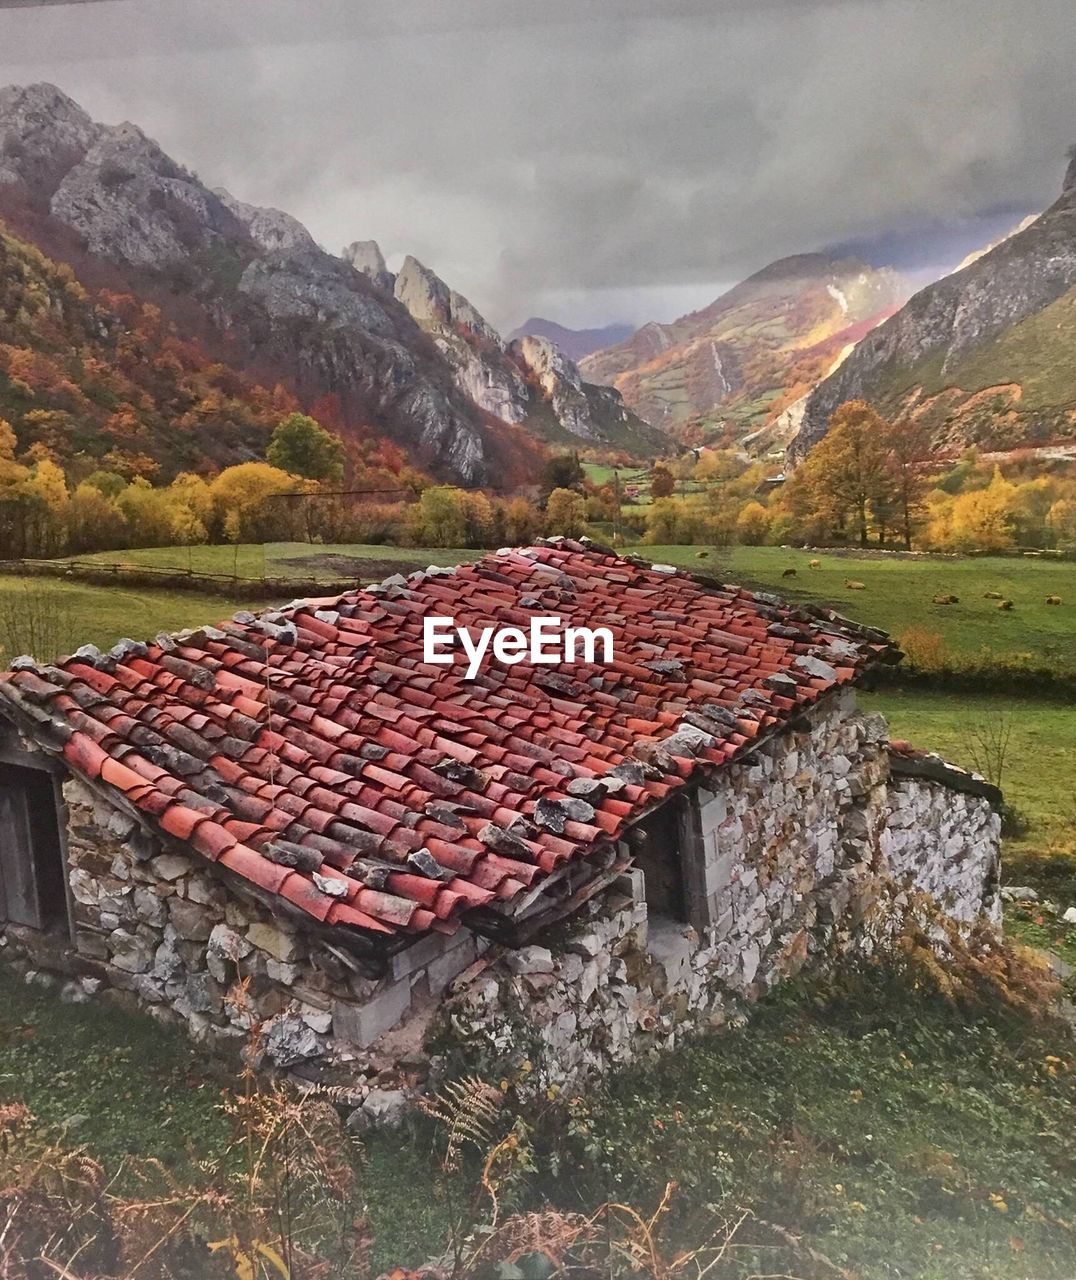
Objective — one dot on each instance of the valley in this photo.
(320, 959)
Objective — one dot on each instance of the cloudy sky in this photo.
(591, 160)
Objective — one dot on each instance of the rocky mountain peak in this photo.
(273, 230)
(366, 256)
(547, 363)
(1070, 173)
(132, 203)
(42, 132)
(408, 356)
(432, 303)
(423, 293)
(971, 330)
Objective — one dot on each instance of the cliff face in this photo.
(982, 356)
(754, 351)
(528, 381)
(255, 276)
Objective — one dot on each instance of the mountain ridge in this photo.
(982, 356)
(746, 357)
(107, 201)
(575, 343)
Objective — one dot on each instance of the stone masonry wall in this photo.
(166, 929)
(807, 851)
(945, 843)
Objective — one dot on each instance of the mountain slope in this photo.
(985, 355)
(755, 350)
(575, 343)
(109, 201)
(108, 381)
(528, 380)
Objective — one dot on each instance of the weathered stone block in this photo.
(190, 920)
(363, 1024)
(279, 943)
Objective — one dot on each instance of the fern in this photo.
(469, 1109)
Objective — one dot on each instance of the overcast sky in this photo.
(591, 160)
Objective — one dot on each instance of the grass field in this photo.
(1039, 777)
(898, 594)
(81, 613)
(897, 1137)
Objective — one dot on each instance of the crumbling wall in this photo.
(803, 853)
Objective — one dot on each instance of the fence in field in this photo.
(234, 585)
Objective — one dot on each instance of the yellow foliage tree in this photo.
(983, 519)
(753, 524)
(242, 501)
(1062, 523)
(566, 513)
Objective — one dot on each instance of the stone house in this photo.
(571, 864)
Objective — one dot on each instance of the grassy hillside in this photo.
(753, 351)
(1018, 388)
(866, 1119)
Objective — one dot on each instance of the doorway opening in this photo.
(32, 889)
(655, 846)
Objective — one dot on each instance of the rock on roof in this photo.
(311, 752)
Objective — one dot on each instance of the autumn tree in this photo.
(521, 522)
(1062, 523)
(662, 482)
(753, 524)
(982, 520)
(243, 506)
(562, 471)
(439, 518)
(846, 472)
(566, 513)
(94, 521)
(909, 447)
(303, 447)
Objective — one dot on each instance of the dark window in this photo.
(655, 846)
(31, 860)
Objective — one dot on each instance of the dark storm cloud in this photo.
(590, 158)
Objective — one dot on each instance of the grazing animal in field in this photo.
(814, 564)
(789, 573)
(1004, 604)
(853, 585)
(946, 599)
(993, 595)
(1053, 599)
(702, 555)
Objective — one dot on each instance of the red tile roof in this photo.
(311, 752)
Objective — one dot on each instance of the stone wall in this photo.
(808, 852)
(166, 929)
(945, 842)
